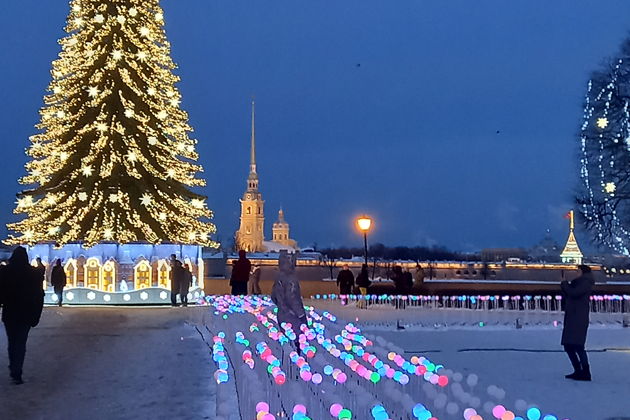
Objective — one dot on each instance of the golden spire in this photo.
(252, 165)
(571, 252)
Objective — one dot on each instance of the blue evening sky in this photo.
(450, 122)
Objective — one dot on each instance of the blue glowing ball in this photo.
(418, 409)
(533, 414)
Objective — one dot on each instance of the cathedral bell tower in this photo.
(250, 235)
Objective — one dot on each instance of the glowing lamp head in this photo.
(364, 223)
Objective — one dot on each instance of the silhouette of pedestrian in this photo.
(363, 282)
(576, 319)
(345, 282)
(22, 299)
(185, 284)
(58, 281)
(41, 269)
(176, 277)
(240, 274)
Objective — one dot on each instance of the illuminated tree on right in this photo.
(604, 196)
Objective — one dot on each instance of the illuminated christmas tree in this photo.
(113, 161)
(605, 154)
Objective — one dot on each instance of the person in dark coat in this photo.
(398, 277)
(345, 282)
(363, 282)
(184, 285)
(576, 319)
(41, 269)
(177, 278)
(22, 299)
(58, 281)
(240, 274)
(408, 281)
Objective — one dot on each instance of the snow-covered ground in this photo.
(137, 363)
(112, 363)
(527, 363)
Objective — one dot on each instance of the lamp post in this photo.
(364, 223)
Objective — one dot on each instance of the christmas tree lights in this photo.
(113, 160)
(605, 152)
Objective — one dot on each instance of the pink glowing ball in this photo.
(299, 408)
(262, 406)
(498, 411)
(443, 381)
(317, 379)
(280, 379)
(268, 417)
(390, 373)
(306, 375)
(335, 409)
(342, 378)
(434, 379)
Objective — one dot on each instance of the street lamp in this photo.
(364, 223)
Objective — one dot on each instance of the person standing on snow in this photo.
(577, 295)
(22, 301)
(58, 281)
(345, 282)
(240, 274)
(287, 296)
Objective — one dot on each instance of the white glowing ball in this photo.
(126, 298)
(144, 296)
(107, 298)
(452, 408)
(70, 296)
(163, 295)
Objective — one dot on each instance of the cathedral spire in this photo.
(252, 164)
(571, 252)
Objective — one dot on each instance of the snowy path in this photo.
(112, 363)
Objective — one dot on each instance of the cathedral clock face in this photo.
(249, 196)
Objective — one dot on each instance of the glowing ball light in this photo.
(379, 413)
(344, 414)
(508, 415)
(533, 414)
(469, 412)
(262, 406)
(498, 411)
(550, 417)
(335, 409)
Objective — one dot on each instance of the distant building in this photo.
(503, 254)
(251, 233)
(571, 253)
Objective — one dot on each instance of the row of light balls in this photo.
(351, 332)
(472, 298)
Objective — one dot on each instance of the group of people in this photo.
(181, 281)
(347, 285)
(22, 300)
(245, 277)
